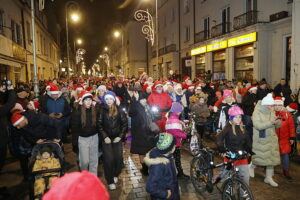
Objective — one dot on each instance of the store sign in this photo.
(251, 37)
(217, 46)
(198, 50)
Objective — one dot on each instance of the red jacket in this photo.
(163, 101)
(285, 132)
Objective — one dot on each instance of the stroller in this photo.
(45, 174)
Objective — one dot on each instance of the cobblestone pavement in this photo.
(131, 184)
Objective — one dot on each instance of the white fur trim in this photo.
(32, 104)
(158, 85)
(173, 126)
(290, 109)
(111, 96)
(19, 121)
(86, 95)
(155, 161)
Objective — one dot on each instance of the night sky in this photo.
(98, 19)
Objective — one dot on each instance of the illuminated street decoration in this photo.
(79, 55)
(148, 28)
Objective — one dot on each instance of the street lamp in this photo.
(75, 18)
(79, 41)
(117, 34)
(105, 48)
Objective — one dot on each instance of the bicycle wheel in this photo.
(200, 173)
(236, 189)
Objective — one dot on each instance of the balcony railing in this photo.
(201, 36)
(170, 48)
(220, 29)
(246, 19)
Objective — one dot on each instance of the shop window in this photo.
(28, 33)
(18, 34)
(13, 31)
(244, 62)
(219, 65)
(17, 71)
(200, 65)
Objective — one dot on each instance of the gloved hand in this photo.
(116, 140)
(107, 140)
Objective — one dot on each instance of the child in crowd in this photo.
(162, 182)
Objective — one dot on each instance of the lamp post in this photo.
(75, 18)
(148, 29)
(105, 57)
(117, 34)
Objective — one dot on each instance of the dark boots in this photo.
(144, 170)
(177, 157)
(286, 174)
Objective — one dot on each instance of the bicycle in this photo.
(233, 188)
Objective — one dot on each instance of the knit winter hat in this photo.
(109, 94)
(227, 93)
(292, 107)
(279, 101)
(17, 118)
(77, 186)
(165, 142)
(102, 88)
(268, 100)
(176, 107)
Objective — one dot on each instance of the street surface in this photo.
(131, 184)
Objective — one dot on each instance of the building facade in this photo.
(16, 58)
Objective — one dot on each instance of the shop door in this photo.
(186, 70)
(4, 72)
(288, 59)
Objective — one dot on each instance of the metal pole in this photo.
(122, 61)
(156, 22)
(67, 32)
(35, 78)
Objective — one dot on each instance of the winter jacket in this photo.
(78, 130)
(174, 127)
(201, 111)
(163, 101)
(248, 103)
(111, 127)
(121, 92)
(265, 141)
(226, 140)
(142, 137)
(41, 126)
(59, 105)
(4, 113)
(286, 132)
(260, 94)
(188, 94)
(162, 176)
(19, 144)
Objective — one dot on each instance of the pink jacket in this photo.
(174, 127)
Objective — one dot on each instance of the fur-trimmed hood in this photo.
(154, 157)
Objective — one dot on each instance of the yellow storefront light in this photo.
(217, 46)
(248, 38)
(198, 51)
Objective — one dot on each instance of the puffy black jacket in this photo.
(112, 127)
(248, 103)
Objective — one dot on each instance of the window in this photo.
(187, 33)
(28, 33)
(206, 27)
(13, 31)
(44, 42)
(186, 6)
(251, 5)
(226, 20)
(1, 22)
(173, 15)
(165, 20)
(18, 32)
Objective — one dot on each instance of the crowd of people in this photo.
(100, 112)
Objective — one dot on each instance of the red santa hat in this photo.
(53, 89)
(77, 186)
(212, 85)
(83, 95)
(252, 88)
(185, 78)
(89, 88)
(191, 87)
(17, 118)
(35, 104)
(79, 88)
(279, 101)
(158, 83)
(292, 107)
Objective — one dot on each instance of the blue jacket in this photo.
(162, 176)
(59, 105)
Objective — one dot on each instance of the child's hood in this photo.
(154, 157)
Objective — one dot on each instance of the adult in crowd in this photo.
(112, 125)
(262, 90)
(248, 105)
(234, 137)
(7, 102)
(57, 107)
(286, 134)
(162, 100)
(265, 140)
(85, 133)
(141, 130)
(121, 91)
(283, 90)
